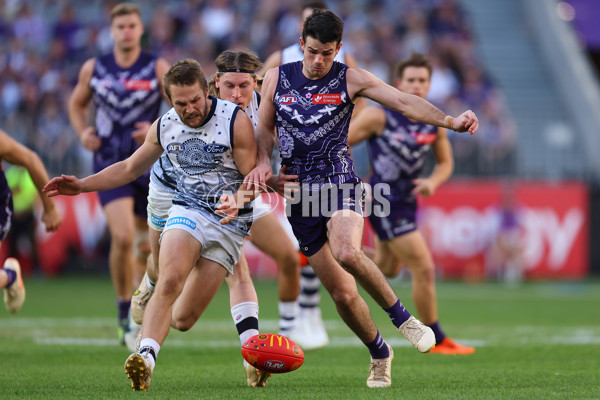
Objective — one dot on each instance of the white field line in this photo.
(40, 329)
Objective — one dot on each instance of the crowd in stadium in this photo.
(45, 42)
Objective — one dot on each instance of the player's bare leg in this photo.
(121, 225)
(178, 257)
(269, 236)
(345, 236)
(244, 311)
(142, 295)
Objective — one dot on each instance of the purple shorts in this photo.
(137, 189)
(309, 223)
(6, 212)
(400, 219)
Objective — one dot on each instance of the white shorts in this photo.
(218, 244)
(159, 203)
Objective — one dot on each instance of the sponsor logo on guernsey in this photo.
(424, 138)
(181, 221)
(327, 98)
(138, 84)
(215, 148)
(175, 148)
(287, 99)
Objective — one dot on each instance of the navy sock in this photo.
(378, 348)
(12, 277)
(398, 314)
(123, 307)
(437, 330)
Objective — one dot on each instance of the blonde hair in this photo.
(125, 9)
(233, 61)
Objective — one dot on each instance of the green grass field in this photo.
(533, 341)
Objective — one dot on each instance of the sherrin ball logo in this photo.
(275, 364)
(272, 353)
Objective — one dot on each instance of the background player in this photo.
(309, 105)
(126, 90)
(15, 153)
(398, 147)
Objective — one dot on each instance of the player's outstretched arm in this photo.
(113, 176)
(369, 122)
(363, 83)
(15, 153)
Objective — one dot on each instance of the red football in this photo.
(273, 353)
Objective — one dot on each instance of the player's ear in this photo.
(302, 44)
(339, 46)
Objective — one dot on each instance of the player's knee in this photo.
(348, 256)
(183, 323)
(289, 264)
(122, 239)
(344, 297)
(424, 271)
(169, 287)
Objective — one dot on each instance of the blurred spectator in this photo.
(45, 42)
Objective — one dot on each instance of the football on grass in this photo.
(273, 353)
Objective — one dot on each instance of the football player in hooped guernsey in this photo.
(211, 144)
(308, 104)
(397, 147)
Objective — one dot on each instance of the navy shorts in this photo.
(138, 189)
(309, 221)
(6, 212)
(399, 219)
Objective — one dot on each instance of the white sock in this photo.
(150, 346)
(245, 318)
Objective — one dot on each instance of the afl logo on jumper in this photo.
(327, 98)
(287, 99)
(175, 148)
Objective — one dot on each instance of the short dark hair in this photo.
(125, 9)
(324, 26)
(184, 73)
(314, 4)
(415, 60)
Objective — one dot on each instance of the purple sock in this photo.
(123, 307)
(437, 330)
(378, 348)
(398, 314)
(12, 277)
